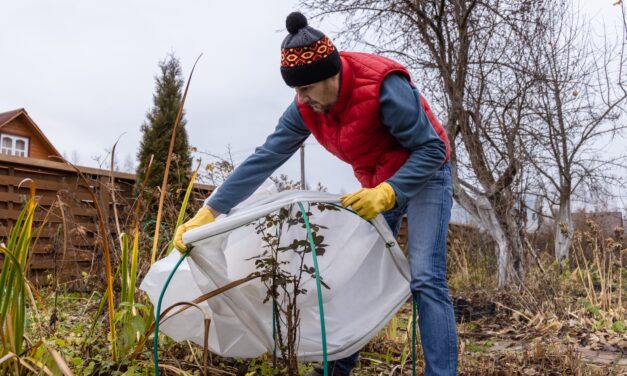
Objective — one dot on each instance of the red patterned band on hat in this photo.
(295, 57)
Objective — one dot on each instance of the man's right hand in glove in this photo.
(204, 216)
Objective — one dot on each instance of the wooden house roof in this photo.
(7, 117)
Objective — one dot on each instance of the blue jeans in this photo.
(428, 214)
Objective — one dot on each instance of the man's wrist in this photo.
(214, 212)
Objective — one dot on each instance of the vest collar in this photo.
(347, 79)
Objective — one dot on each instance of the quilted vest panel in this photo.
(352, 129)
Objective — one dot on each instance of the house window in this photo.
(13, 145)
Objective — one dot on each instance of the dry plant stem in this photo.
(28, 366)
(43, 223)
(10, 356)
(193, 353)
(112, 190)
(106, 249)
(15, 286)
(28, 285)
(580, 272)
(513, 310)
(176, 370)
(603, 264)
(534, 254)
(620, 282)
(29, 290)
(609, 279)
(591, 295)
(207, 323)
(205, 350)
(164, 184)
(63, 367)
(64, 221)
(465, 264)
(138, 202)
(601, 274)
(461, 262)
(212, 370)
(199, 299)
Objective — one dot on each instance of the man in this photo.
(364, 109)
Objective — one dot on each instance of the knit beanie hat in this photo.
(307, 55)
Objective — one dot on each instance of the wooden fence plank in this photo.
(42, 184)
(44, 248)
(49, 264)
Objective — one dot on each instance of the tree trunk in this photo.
(563, 229)
(508, 245)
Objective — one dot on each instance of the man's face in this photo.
(320, 96)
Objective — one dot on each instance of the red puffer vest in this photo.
(352, 130)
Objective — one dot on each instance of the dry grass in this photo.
(562, 321)
(544, 327)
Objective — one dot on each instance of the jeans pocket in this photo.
(437, 189)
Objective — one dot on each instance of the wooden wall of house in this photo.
(37, 148)
(69, 244)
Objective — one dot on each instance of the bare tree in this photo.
(129, 164)
(218, 169)
(76, 159)
(472, 56)
(579, 96)
(623, 13)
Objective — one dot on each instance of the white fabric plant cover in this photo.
(366, 271)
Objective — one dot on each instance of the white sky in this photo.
(85, 70)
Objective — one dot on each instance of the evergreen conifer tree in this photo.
(157, 131)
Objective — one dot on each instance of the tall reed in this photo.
(164, 184)
(13, 284)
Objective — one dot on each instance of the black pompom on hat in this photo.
(307, 55)
(295, 21)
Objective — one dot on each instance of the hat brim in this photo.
(311, 73)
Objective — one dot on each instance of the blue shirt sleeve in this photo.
(406, 120)
(287, 137)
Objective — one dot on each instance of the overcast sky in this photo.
(84, 71)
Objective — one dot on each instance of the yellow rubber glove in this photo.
(201, 218)
(370, 202)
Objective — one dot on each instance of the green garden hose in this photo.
(320, 304)
(413, 335)
(155, 342)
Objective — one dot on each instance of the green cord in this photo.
(274, 314)
(155, 342)
(320, 305)
(413, 324)
(413, 336)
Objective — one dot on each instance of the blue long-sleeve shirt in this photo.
(401, 114)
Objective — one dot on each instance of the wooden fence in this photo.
(68, 246)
